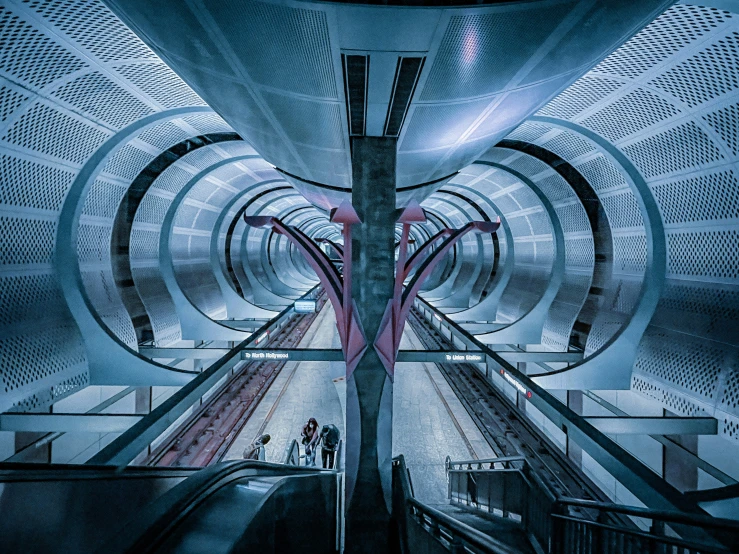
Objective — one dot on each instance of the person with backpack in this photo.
(329, 444)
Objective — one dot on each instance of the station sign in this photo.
(293, 354)
(305, 306)
(464, 357)
(515, 383)
(265, 355)
(442, 357)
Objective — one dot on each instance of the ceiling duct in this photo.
(407, 73)
(356, 73)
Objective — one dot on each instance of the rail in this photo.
(136, 439)
(292, 454)
(338, 455)
(573, 526)
(425, 529)
(509, 490)
(270, 497)
(632, 473)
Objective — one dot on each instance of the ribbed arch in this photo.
(669, 114)
(53, 124)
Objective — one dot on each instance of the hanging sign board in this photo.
(305, 306)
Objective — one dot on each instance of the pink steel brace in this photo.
(387, 342)
(338, 288)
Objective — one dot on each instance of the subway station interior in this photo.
(490, 248)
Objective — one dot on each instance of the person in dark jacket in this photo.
(329, 444)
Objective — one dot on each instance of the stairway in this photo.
(499, 528)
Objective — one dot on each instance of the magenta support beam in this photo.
(356, 343)
(387, 342)
(338, 288)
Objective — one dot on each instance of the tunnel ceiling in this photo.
(448, 82)
(122, 190)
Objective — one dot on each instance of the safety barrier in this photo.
(425, 529)
(508, 488)
(134, 441)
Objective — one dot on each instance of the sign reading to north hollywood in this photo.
(265, 355)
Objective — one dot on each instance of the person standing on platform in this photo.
(255, 450)
(329, 444)
(310, 441)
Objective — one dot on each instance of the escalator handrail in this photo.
(337, 456)
(19, 472)
(166, 512)
(291, 448)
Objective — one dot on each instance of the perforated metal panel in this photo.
(100, 97)
(64, 91)
(309, 70)
(668, 100)
(160, 83)
(473, 59)
(82, 20)
(46, 130)
(22, 45)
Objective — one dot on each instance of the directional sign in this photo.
(464, 357)
(515, 383)
(334, 355)
(265, 355)
(293, 354)
(441, 357)
(305, 306)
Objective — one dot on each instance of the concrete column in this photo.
(681, 475)
(142, 400)
(369, 389)
(574, 402)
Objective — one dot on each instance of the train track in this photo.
(506, 429)
(208, 433)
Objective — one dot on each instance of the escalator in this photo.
(243, 506)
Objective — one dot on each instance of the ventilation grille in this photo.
(406, 78)
(356, 72)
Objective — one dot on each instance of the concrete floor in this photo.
(429, 422)
(302, 390)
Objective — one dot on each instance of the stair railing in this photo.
(424, 529)
(584, 527)
(292, 454)
(508, 488)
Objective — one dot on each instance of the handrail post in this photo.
(456, 546)
(658, 530)
(557, 541)
(599, 536)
